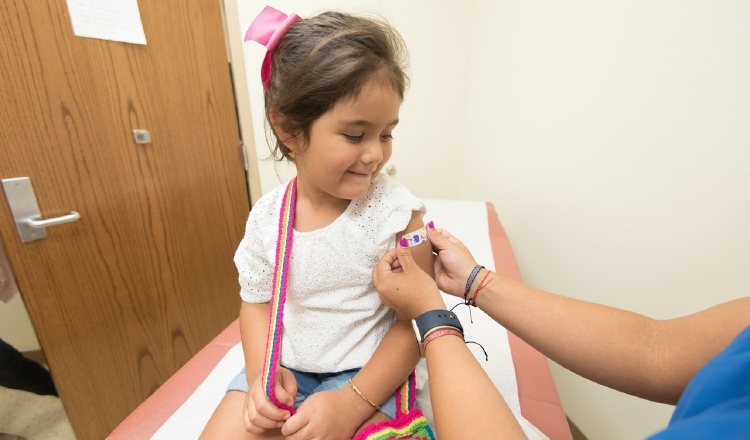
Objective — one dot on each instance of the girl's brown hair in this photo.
(324, 59)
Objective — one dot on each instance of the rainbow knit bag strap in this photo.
(409, 423)
(278, 293)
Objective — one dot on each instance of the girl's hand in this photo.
(325, 415)
(260, 414)
(454, 262)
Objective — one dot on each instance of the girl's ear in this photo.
(277, 123)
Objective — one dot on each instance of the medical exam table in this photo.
(182, 406)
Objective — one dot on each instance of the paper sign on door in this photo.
(116, 20)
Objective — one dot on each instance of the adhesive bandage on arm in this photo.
(415, 238)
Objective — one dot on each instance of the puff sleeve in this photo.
(253, 258)
(398, 204)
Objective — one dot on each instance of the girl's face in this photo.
(349, 145)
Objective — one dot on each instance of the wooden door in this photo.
(123, 297)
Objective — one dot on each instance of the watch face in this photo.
(418, 336)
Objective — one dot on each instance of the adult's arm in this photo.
(465, 402)
(632, 353)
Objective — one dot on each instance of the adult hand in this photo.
(404, 286)
(323, 415)
(454, 262)
(260, 414)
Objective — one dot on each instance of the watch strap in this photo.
(436, 318)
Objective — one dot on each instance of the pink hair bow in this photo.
(267, 29)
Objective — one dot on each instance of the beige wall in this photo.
(611, 136)
(15, 325)
(619, 157)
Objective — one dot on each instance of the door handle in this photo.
(22, 202)
(41, 224)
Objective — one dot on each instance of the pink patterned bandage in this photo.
(267, 29)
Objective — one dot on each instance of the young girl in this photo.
(333, 85)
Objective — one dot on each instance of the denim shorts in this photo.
(309, 383)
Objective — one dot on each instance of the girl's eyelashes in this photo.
(354, 137)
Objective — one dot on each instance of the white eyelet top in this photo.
(333, 318)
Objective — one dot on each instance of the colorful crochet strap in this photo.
(407, 394)
(278, 293)
(409, 423)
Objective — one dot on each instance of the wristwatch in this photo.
(430, 320)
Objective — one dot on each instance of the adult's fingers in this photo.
(440, 238)
(389, 260)
(405, 257)
(385, 266)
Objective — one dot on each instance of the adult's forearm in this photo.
(465, 402)
(610, 346)
(638, 355)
